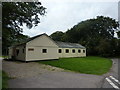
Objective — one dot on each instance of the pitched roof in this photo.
(60, 44)
(36, 37)
(30, 39)
(68, 45)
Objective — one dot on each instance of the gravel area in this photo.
(16, 69)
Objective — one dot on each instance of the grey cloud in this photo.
(64, 15)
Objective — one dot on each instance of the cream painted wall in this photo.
(71, 54)
(10, 53)
(21, 55)
(37, 54)
(42, 42)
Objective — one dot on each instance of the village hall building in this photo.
(42, 47)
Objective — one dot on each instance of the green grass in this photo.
(4, 56)
(0, 79)
(88, 65)
(5, 79)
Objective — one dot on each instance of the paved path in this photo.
(34, 75)
(112, 76)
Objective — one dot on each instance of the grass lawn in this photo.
(0, 79)
(88, 65)
(5, 79)
(4, 56)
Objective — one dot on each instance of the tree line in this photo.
(97, 35)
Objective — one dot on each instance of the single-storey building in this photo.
(42, 47)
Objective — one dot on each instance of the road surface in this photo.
(111, 78)
(34, 75)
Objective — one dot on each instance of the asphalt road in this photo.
(58, 80)
(112, 76)
(63, 79)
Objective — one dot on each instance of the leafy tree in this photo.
(20, 39)
(96, 34)
(57, 36)
(118, 34)
(117, 47)
(15, 15)
(91, 32)
(104, 47)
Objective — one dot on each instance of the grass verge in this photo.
(4, 57)
(5, 79)
(88, 65)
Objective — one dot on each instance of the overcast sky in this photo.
(64, 14)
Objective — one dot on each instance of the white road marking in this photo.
(114, 79)
(116, 87)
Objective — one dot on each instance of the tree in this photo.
(15, 15)
(91, 32)
(57, 36)
(118, 47)
(97, 35)
(118, 34)
(20, 39)
(104, 48)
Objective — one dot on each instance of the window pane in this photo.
(67, 50)
(30, 49)
(60, 51)
(44, 50)
(73, 50)
(79, 51)
(83, 51)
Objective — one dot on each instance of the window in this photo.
(73, 50)
(30, 49)
(59, 51)
(67, 50)
(23, 51)
(83, 51)
(44, 50)
(17, 51)
(79, 51)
